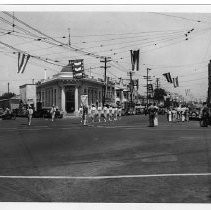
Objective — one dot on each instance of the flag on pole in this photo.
(134, 59)
(22, 61)
(168, 77)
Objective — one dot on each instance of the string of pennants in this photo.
(169, 79)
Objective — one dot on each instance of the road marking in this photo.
(154, 128)
(105, 177)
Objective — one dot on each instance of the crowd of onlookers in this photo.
(179, 114)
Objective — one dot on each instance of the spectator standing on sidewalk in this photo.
(99, 109)
(204, 115)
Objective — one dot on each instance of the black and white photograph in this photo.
(105, 104)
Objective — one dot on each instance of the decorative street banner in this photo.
(78, 68)
(84, 100)
(22, 61)
(134, 59)
(175, 82)
(168, 77)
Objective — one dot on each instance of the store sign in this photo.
(84, 100)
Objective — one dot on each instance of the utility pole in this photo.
(8, 88)
(69, 41)
(148, 79)
(131, 87)
(105, 60)
(8, 91)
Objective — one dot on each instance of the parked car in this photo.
(8, 115)
(139, 109)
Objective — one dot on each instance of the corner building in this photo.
(63, 91)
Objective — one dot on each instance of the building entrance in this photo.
(70, 99)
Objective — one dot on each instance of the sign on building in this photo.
(78, 68)
(84, 100)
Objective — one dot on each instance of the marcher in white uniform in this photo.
(99, 109)
(105, 113)
(110, 113)
(119, 112)
(81, 113)
(115, 112)
(93, 112)
(169, 115)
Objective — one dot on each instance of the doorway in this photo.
(70, 99)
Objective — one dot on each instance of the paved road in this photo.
(123, 161)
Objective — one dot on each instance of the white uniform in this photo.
(99, 109)
(93, 113)
(105, 112)
(81, 113)
(110, 113)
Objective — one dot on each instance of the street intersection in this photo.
(124, 161)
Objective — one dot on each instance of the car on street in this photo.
(8, 116)
(139, 109)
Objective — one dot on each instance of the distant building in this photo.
(28, 94)
(12, 103)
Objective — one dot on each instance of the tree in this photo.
(159, 94)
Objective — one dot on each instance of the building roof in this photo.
(67, 68)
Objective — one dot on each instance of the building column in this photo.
(76, 100)
(63, 100)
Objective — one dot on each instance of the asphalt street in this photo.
(116, 162)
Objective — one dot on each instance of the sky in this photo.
(160, 37)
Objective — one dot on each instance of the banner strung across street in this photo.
(134, 59)
(168, 77)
